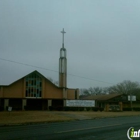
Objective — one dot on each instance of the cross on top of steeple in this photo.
(63, 32)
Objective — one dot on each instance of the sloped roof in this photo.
(35, 71)
(101, 97)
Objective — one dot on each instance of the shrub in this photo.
(95, 108)
(101, 108)
(136, 108)
(88, 108)
(127, 109)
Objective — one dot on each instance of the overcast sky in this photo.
(102, 40)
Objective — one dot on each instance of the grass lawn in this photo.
(25, 117)
(22, 117)
(106, 114)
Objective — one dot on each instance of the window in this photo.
(26, 83)
(33, 86)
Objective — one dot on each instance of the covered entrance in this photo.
(36, 104)
(16, 104)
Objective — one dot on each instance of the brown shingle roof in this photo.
(100, 97)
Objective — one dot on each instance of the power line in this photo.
(20, 63)
(26, 64)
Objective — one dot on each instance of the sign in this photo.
(131, 133)
(9, 108)
(80, 103)
(133, 98)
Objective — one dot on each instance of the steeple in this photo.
(63, 64)
(63, 32)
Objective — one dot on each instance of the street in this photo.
(99, 129)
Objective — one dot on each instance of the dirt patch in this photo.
(27, 117)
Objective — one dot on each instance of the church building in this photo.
(35, 92)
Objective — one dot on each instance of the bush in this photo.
(127, 109)
(66, 108)
(95, 108)
(55, 108)
(136, 108)
(101, 109)
(88, 108)
(58, 108)
(81, 108)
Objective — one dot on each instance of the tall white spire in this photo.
(63, 64)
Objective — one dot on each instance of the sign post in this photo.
(131, 98)
(9, 109)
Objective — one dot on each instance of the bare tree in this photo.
(96, 90)
(126, 87)
(54, 82)
(92, 91)
(86, 92)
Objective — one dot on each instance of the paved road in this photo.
(98, 129)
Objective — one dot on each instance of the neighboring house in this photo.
(34, 91)
(108, 100)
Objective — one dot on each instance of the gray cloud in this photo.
(102, 39)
